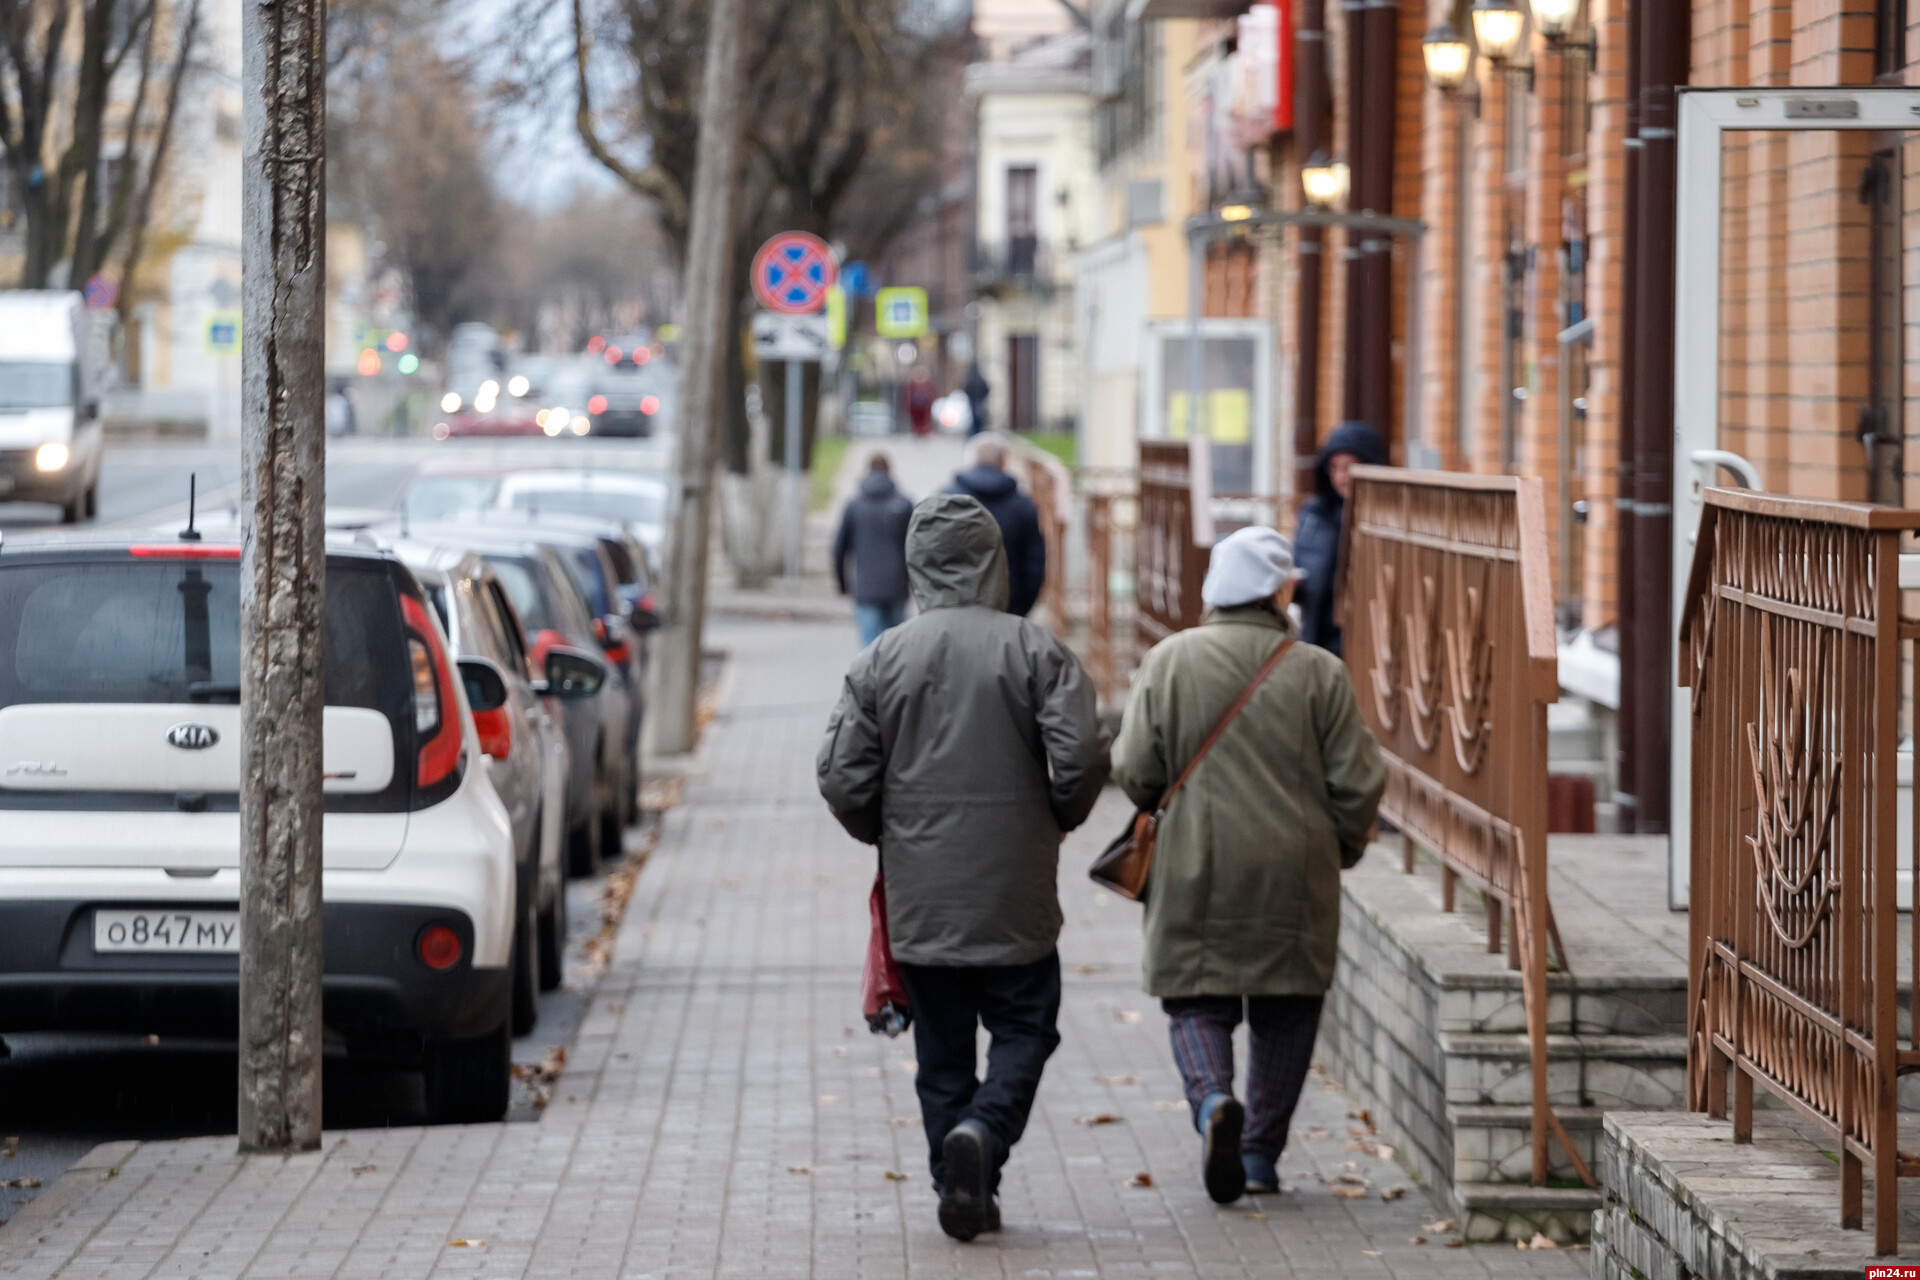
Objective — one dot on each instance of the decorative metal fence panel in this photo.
(1448, 633)
(1169, 565)
(1111, 516)
(1792, 644)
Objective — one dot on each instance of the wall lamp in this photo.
(1498, 26)
(1448, 56)
(1555, 18)
(1325, 182)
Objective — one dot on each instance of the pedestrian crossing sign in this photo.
(223, 333)
(901, 312)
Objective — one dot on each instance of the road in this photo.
(62, 1095)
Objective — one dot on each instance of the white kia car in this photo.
(119, 822)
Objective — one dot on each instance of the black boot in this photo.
(966, 1201)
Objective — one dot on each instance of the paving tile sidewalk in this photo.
(725, 1114)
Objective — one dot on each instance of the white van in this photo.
(53, 362)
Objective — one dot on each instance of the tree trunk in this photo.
(282, 571)
(709, 311)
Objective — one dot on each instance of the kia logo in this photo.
(192, 737)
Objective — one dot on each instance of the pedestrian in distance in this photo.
(1316, 538)
(966, 745)
(975, 388)
(1243, 894)
(1013, 511)
(920, 398)
(872, 544)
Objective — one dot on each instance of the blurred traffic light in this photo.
(396, 342)
(369, 363)
(409, 362)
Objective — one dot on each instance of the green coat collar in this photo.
(1246, 615)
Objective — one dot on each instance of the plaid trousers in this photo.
(1282, 1030)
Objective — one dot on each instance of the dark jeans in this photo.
(1282, 1030)
(1019, 1005)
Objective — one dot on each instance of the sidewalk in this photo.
(726, 1114)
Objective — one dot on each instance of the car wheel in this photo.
(613, 832)
(526, 971)
(467, 1081)
(553, 941)
(583, 846)
(70, 511)
(93, 500)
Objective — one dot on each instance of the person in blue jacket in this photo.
(1316, 539)
(1019, 520)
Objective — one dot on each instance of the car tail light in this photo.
(439, 947)
(641, 355)
(544, 642)
(619, 653)
(649, 405)
(495, 728)
(184, 551)
(436, 728)
(597, 405)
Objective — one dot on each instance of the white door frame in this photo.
(1705, 116)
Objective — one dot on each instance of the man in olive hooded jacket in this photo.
(966, 745)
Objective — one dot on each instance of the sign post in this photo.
(793, 274)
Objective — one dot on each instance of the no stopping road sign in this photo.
(792, 273)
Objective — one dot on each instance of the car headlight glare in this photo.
(52, 456)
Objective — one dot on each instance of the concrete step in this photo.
(1497, 1211)
(1637, 1072)
(1494, 1144)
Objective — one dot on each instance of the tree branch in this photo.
(652, 181)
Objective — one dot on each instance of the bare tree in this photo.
(84, 193)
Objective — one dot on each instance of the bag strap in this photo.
(1224, 722)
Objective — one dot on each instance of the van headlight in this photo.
(51, 456)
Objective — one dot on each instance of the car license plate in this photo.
(181, 932)
(6, 484)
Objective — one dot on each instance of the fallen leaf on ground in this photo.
(1416, 1239)
(804, 1168)
(1105, 1117)
(1456, 1244)
(905, 1122)
(1540, 1241)
(1364, 1116)
(1371, 1253)
(1439, 1226)
(1316, 1133)
(1161, 1104)
(366, 1168)
(1140, 1180)
(1116, 1080)
(1128, 1016)
(1383, 1152)
(909, 1066)
(1085, 970)
(1348, 1180)
(465, 1244)
(1350, 1193)
(841, 1051)
(1392, 1193)
(25, 1184)
(894, 1175)
(828, 1099)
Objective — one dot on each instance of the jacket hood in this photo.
(954, 554)
(985, 483)
(1357, 438)
(878, 484)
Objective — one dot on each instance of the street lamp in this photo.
(1497, 27)
(1449, 57)
(1325, 182)
(1555, 18)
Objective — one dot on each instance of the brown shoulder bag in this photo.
(1123, 865)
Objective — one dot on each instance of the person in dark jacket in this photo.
(1316, 539)
(975, 388)
(873, 535)
(1019, 520)
(966, 745)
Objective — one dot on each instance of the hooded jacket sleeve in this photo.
(1070, 732)
(851, 765)
(842, 548)
(1356, 777)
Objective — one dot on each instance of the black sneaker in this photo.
(966, 1205)
(1220, 1149)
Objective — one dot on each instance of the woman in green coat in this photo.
(1243, 901)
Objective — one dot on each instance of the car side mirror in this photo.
(644, 619)
(486, 686)
(573, 675)
(93, 410)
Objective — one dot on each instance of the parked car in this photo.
(54, 357)
(638, 500)
(119, 853)
(526, 750)
(554, 614)
(438, 493)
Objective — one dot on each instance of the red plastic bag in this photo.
(883, 996)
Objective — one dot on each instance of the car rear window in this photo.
(626, 506)
(163, 630)
(584, 564)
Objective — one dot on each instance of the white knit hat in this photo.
(1247, 565)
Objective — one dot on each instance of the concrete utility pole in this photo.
(282, 569)
(708, 288)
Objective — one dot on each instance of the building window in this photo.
(1023, 381)
(1023, 213)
